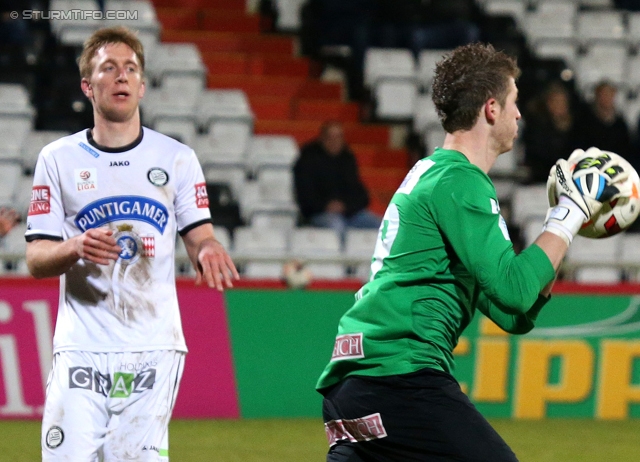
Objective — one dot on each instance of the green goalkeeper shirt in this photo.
(443, 251)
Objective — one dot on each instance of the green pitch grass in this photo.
(296, 440)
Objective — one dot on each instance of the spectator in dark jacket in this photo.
(603, 126)
(328, 187)
(549, 131)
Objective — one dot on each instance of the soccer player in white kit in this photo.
(105, 208)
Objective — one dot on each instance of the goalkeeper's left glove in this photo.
(569, 210)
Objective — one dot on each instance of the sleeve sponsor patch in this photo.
(40, 200)
(202, 199)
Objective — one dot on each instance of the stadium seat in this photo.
(551, 19)
(13, 133)
(11, 173)
(514, 8)
(600, 26)
(427, 60)
(232, 175)
(359, 245)
(529, 201)
(266, 151)
(14, 102)
(23, 195)
(603, 61)
(630, 255)
(633, 28)
(434, 137)
(425, 115)
(395, 99)
(310, 243)
(226, 144)
(595, 262)
(280, 220)
(181, 130)
(13, 251)
(551, 48)
(531, 228)
(88, 23)
(168, 104)
(141, 16)
(388, 63)
(223, 106)
(271, 192)
(288, 17)
(175, 58)
(250, 242)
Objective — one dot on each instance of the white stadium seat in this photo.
(225, 144)
(600, 25)
(223, 105)
(33, 144)
(272, 151)
(258, 242)
(427, 60)
(425, 115)
(388, 63)
(551, 19)
(529, 201)
(395, 99)
(596, 260)
(317, 243)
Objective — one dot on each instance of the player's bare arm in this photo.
(46, 258)
(8, 219)
(211, 261)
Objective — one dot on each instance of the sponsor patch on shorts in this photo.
(365, 428)
(348, 346)
(55, 437)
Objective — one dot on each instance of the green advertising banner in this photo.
(582, 359)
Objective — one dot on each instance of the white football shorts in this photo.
(108, 407)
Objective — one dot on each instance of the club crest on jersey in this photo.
(55, 437)
(86, 179)
(130, 243)
(157, 176)
(117, 208)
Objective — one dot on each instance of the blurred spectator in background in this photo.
(8, 219)
(328, 188)
(549, 131)
(602, 125)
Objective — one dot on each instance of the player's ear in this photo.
(491, 110)
(87, 89)
(143, 87)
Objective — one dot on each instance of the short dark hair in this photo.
(466, 78)
(102, 37)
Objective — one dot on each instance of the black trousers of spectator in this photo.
(422, 416)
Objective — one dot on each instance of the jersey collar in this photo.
(126, 147)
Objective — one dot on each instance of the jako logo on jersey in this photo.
(117, 208)
(348, 346)
(122, 385)
(86, 179)
(202, 199)
(119, 163)
(40, 200)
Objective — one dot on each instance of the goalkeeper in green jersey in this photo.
(443, 252)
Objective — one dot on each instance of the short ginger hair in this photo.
(105, 36)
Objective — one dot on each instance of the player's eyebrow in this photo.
(113, 61)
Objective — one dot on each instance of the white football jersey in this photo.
(144, 192)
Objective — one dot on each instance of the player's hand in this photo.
(215, 266)
(97, 245)
(592, 181)
(8, 219)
